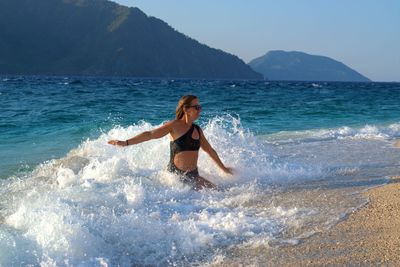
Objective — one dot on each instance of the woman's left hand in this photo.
(228, 170)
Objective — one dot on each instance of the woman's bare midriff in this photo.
(186, 160)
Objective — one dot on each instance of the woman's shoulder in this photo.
(176, 122)
(172, 123)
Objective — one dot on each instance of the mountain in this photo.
(99, 37)
(299, 66)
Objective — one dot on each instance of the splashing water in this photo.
(106, 205)
(102, 203)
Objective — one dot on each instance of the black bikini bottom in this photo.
(187, 177)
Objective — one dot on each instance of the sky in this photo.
(363, 34)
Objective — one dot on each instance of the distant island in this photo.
(99, 37)
(299, 66)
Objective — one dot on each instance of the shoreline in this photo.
(369, 236)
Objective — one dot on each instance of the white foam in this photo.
(66, 177)
(367, 132)
(316, 85)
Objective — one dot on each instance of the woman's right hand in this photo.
(117, 143)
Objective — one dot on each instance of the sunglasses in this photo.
(197, 107)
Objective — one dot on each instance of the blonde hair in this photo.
(183, 102)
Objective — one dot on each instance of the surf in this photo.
(119, 206)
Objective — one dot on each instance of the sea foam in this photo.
(366, 132)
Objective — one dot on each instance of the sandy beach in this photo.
(369, 236)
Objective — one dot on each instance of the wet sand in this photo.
(367, 237)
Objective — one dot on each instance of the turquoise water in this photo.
(43, 118)
(68, 198)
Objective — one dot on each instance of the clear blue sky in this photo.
(363, 34)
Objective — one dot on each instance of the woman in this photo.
(187, 138)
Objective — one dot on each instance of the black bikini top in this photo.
(185, 142)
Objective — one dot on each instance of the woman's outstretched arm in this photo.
(213, 154)
(145, 136)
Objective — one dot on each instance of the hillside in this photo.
(98, 37)
(299, 66)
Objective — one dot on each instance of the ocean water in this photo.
(302, 153)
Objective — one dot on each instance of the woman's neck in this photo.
(187, 120)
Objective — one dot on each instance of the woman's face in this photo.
(194, 109)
